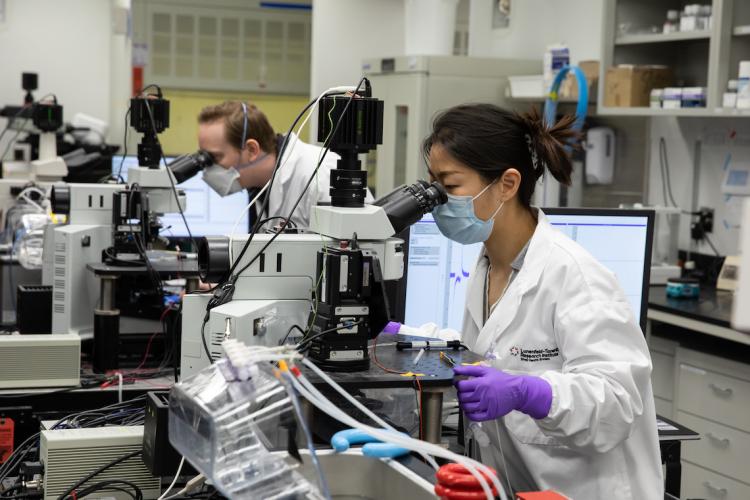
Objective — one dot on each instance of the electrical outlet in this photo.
(705, 223)
(706, 219)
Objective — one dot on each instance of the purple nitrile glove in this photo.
(392, 327)
(492, 393)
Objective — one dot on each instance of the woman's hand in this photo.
(491, 393)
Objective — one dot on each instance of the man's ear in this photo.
(253, 149)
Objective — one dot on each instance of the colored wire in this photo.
(380, 365)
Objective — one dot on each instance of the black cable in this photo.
(138, 244)
(711, 244)
(98, 471)
(203, 337)
(124, 147)
(327, 147)
(308, 340)
(166, 167)
(664, 164)
(136, 494)
(293, 327)
(225, 289)
(266, 199)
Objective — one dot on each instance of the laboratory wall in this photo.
(181, 137)
(74, 47)
(699, 151)
(347, 31)
(576, 23)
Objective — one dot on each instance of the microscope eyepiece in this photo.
(406, 204)
(186, 166)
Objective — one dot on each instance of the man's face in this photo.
(212, 139)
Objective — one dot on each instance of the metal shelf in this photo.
(680, 112)
(662, 37)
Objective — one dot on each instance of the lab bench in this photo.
(701, 379)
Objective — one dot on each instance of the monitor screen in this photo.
(207, 213)
(437, 268)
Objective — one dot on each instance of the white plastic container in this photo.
(527, 86)
(556, 56)
(655, 99)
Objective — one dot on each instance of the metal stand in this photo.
(432, 415)
(191, 284)
(106, 327)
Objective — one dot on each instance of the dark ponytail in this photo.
(491, 140)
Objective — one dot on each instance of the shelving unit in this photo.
(643, 38)
(707, 58)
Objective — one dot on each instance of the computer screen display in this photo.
(208, 214)
(438, 269)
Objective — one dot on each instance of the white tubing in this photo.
(401, 440)
(357, 404)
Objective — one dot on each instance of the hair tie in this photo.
(532, 153)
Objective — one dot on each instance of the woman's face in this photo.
(460, 180)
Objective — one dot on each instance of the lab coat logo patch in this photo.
(534, 355)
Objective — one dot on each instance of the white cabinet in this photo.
(698, 482)
(663, 374)
(712, 397)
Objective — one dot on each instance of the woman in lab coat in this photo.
(565, 397)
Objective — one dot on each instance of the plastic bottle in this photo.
(556, 56)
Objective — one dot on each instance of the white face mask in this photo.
(226, 181)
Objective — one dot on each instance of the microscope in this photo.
(327, 282)
(108, 224)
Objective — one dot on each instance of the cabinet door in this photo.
(720, 448)
(698, 482)
(714, 396)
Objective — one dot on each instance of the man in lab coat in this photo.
(245, 148)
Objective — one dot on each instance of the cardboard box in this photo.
(569, 88)
(630, 86)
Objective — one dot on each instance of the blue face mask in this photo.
(457, 221)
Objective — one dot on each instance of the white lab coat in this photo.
(297, 167)
(565, 318)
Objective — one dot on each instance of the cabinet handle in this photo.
(715, 489)
(724, 391)
(723, 442)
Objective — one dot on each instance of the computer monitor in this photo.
(208, 214)
(438, 269)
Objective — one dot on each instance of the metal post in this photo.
(106, 349)
(432, 416)
(191, 284)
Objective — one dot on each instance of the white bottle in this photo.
(743, 86)
(556, 56)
